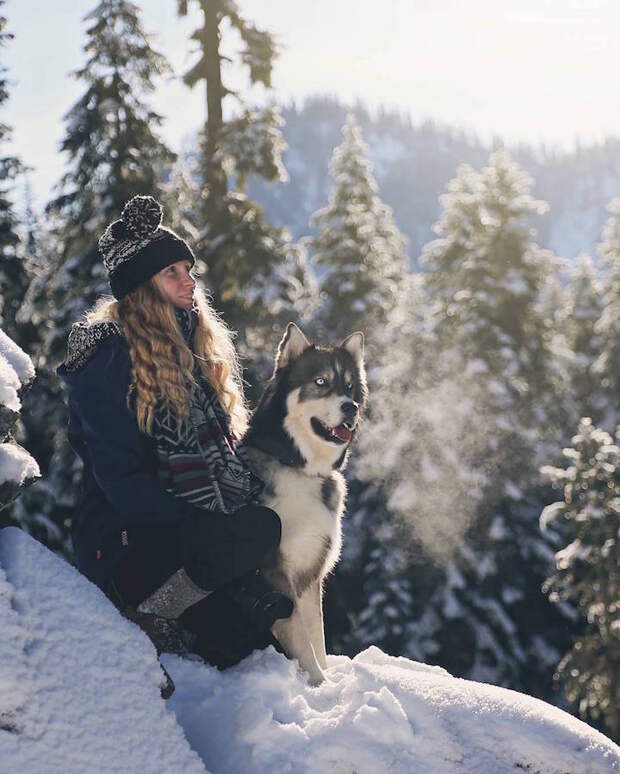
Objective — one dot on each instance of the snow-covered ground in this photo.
(79, 692)
(78, 683)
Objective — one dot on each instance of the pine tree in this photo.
(357, 248)
(113, 154)
(584, 309)
(387, 590)
(588, 571)
(485, 278)
(422, 444)
(607, 366)
(258, 279)
(13, 269)
(554, 307)
(468, 438)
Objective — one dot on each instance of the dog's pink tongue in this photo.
(343, 433)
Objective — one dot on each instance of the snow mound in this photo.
(377, 714)
(79, 691)
(79, 684)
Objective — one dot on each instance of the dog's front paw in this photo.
(315, 678)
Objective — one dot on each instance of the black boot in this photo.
(259, 603)
(224, 635)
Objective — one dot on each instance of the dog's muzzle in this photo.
(343, 432)
(350, 410)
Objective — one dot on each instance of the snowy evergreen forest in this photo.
(483, 520)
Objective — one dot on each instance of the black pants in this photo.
(222, 636)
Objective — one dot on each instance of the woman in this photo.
(168, 523)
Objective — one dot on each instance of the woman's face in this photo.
(177, 284)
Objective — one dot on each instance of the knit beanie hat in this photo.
(137, 246)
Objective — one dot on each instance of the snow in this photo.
(79, 685)
(9, 385)
(16, 358)
(573, 551)
(551, 512)
(378, 713)
(15, 688)
(513, 491)
(16, 370)
(85, 681)
(16, 464)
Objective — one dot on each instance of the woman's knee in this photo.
(243, 541)
(267, 528)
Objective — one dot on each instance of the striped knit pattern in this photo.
(206, 465)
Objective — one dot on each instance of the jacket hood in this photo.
(83, 342)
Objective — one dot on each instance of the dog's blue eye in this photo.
(320, 381)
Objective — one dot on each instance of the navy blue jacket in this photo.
(120, 488)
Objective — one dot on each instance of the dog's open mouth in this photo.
(339, 434)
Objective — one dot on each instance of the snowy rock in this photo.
(16, 465)
(79, 691)
(17, 359)
(9, 386)
(79, 684)
(15, 683)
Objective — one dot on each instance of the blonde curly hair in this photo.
(162, 362)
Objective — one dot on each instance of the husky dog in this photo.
(297, 443)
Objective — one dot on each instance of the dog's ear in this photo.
(354, 344)
(292, 345)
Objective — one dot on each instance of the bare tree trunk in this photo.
(215, 177)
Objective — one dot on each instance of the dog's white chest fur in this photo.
(310, 508)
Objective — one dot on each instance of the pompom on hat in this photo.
(137, 246)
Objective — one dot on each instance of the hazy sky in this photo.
(535, 70)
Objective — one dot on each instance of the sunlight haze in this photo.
(532, 70)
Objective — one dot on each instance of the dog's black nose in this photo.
(349, 408)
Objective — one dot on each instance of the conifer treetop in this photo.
(485, 271)
(251, 141)
(110, 141)
(357, 245)
(259, 48)
(113, 153)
